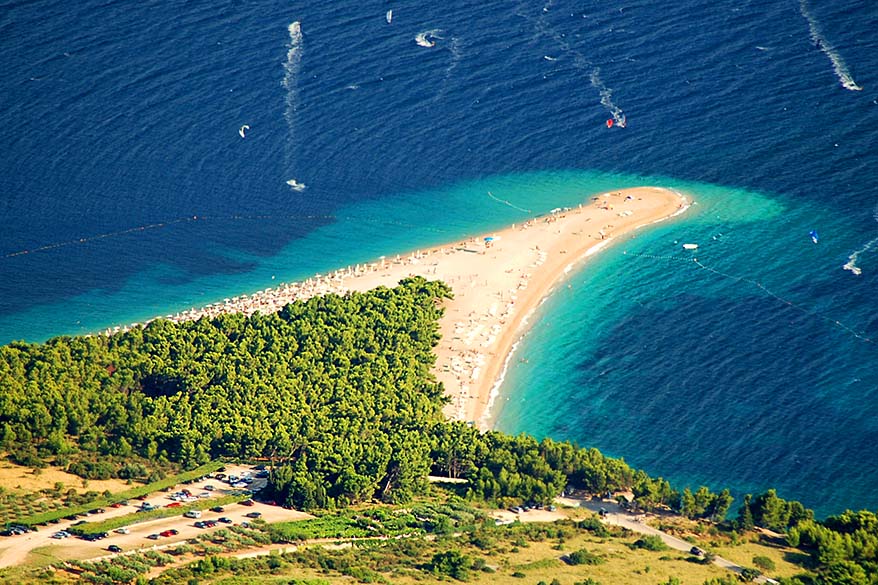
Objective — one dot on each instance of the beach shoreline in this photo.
(498, 279)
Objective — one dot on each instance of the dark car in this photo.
(247, 502)
(253, 514)
(696, 551)
(153, 537)
(97, 511)
(114, 549)
(199, 524)
(209, 523)
(218, 509)
(224, 520)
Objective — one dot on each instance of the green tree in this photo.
(451, 563)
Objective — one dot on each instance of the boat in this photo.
(389, 16)
(295, 185)
(690, 246)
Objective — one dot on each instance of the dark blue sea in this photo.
(127, 191)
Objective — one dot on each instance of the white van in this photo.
(193, 514)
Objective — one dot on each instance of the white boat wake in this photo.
(291, 85)
(291, 71)
(296, 186)
(838, 64)
(607, 97)
(580, 62)
(867, 247)
(428, 38)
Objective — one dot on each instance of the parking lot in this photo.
(15, 549)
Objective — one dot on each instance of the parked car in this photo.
(209, 488)
(224, 520)
(193, 514)
(218, 509)
(171, 532)
(246, 502)
(253, 514)
(696, 551)
(174, 505)
(153, 537)
(114, 549)
(199, 524)
(122, 531)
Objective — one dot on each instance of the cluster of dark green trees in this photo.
(339, 387)
(338, 393)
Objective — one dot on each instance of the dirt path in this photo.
(618, 516)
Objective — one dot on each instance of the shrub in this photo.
(764, 563)
(748, 574)
(451, 563)
(650, 542)
(583, 557)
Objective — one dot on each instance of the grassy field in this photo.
(510, 555)
(24, 479)
(788, 561)
(102, 501)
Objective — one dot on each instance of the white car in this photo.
(61, 534)
(122, 531)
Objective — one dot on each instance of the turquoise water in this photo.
(750, 369)
(357, 233)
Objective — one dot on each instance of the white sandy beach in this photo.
(497, 283)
